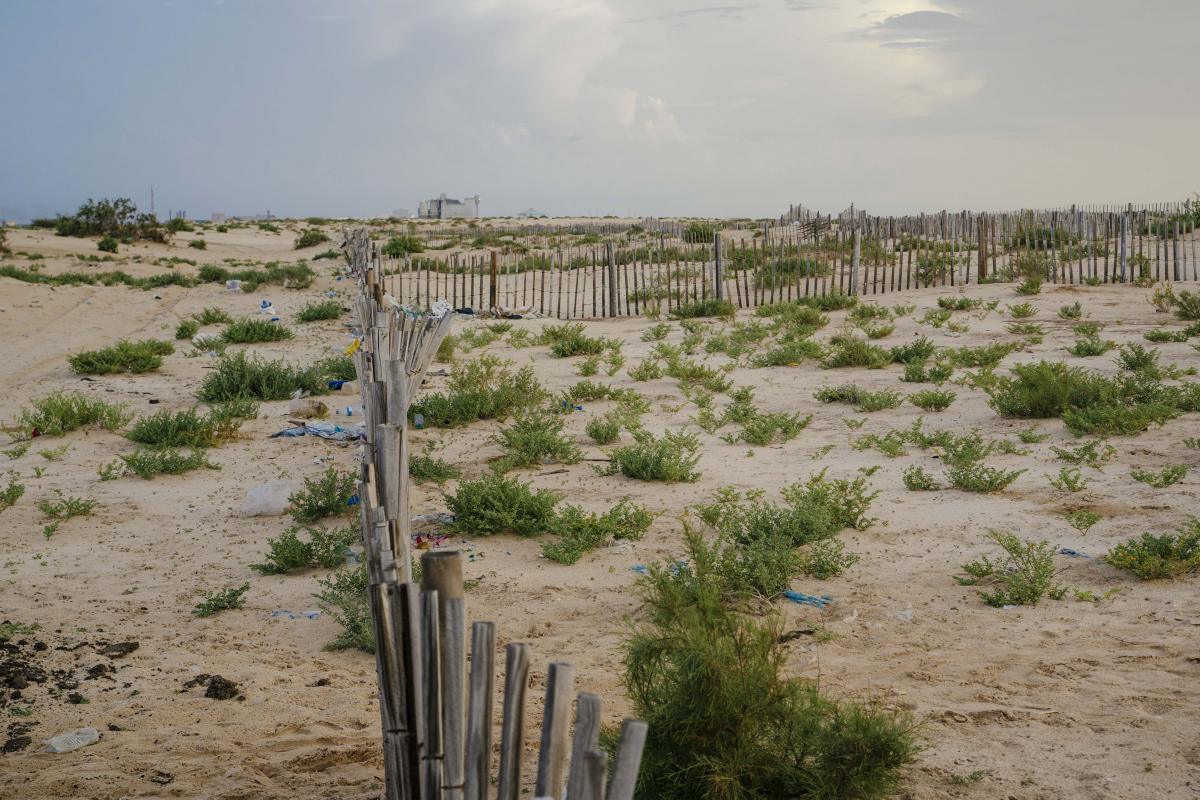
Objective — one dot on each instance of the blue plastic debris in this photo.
(640, 569)
(1067, 551)
(354, 500)
(808, 599)
(296, 615)
(335, 384)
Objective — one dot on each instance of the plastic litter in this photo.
(808, 599)
(640, 569)
(441, 518)
(296, 615)
(72, 740)
(308, 408)
(353, 500)
(265, 304)
(418, 421)
(1067, 551)
(325, 430)
(233, 286)
(269, 499)
(345, 411)
(343, 386)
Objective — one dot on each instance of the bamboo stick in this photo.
(552, 756)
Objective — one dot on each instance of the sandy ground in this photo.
(1063, 700)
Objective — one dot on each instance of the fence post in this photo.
(719, 271)
(1124, 231)
(612, 279)
(493, 287)
(855, 256)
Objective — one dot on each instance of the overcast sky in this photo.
(629, 107)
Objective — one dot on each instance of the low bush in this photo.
(398, 246)
(534, 439)
(221, 600)
(932, 399)
(861, 398)
(1167, 476)
(1094, 454)
(250, 330)
(580, 531)
(704, 308)
(183, 429)
(344, 595)
(317, 312)
(239, 376)
(289, 276)
(61, 412)
(424, 467)
(1166, 555)
(187, 329)
(108, 244)
(198, 244)
(1072, 311)
(848, 351)
(66, 507)
(310, 237)
(916, 479)
(484, 388)
(569, 339)
(325, 547)
(212, 316)
(775, 428)
(1089, 346)
(604, 429)
(825, 559)
(671, 458)
(495, 504)
(149, 464)
(328, 495)
(788, 354)
(1023, 577)
(977, 477)
(11, 492)
(124, 356)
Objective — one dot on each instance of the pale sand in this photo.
(1063, 700)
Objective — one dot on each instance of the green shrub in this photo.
(289, 276)
(182, 429)
(725, 723)
(569, 339)
(310, 237)
(848, 351)
(316, 312)
(1167, 476)
(425, 467)
(1072, 311)
(198, 244)
(1163, 556)
(326, 496)
(985, 356)
(239, 376)
(672, 458)
(976, 477)
(12, 492)
(187, 329)
(61, 412)
(1023, 577)
(1187, 305)
(915, 352)
(1094, 454)
(916, 479)
(580, 531)
(604, 429)
(656, 333)
(766, 429)
(533, 438)
(148, 464)
(1088, 346)
(788, 353)
(646, 370)
(861, 398)
(1082, 519)
(398, 246)
(212, 316)
(326, 547)
(66, 507)
(496, 504)
(344, 595)
(704, 308)
(1045, 389)
(484, 388)
(1069, 479)
(124, 356)
(251, 330)
(834, 301)
(1030, 286)
(932, 399)
(107, 244)
(222, 600)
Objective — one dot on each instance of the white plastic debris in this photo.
(72, 740)
(269, 499)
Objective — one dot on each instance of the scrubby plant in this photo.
(1094, 454)
(861, 398)
(580, 531)
(656, 333)
(198, 244)
(533, 438)
(984, 356)
(495, 504)
(1071, 311)
(704, 308)
(483, 388)
(108, 244)
(1082, 519)
(66, 507)
(916, 479)
(310, 237)
(826, 558)
(1089, 346)
(221, 600)
(61, 412)
(647, 369)
(398, 246)
(425, 467)
(325, 547)
(242, 377)
(1167, 476)
(849, 351)
(212, 316)
(150, 463)
(250, 330)
(604, 429)
(1187, 305)
(932, 399)
(111, 471)
(1030, 286)
(788, 353)
(765, 429)
(589, 365)
(671, 458)
(917, 351)
(1022, 311)
(973, 476)
(569, 339)
(54, 453)
(327, 495)
(1069, 479)
(725, 722)
(187, 329)
(1032, 436)
(1022, 578)
(124, 356)
(1166, 555)
(316, 312)
(182, 429)
(11, 492)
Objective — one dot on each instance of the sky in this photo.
(626, 107)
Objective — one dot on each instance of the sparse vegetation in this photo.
(62, 412)
(671, 458)
(124, 356)
(325, 496)
(221, 600)
(325, 547)
(580, 531)
(484, 388)
(1022, 578)
(932, 399)
(1167, 476)
(495, 504)
(317, 312)
(251, 330)
(149, 464)
(1166, 555)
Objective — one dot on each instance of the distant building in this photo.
(217, 217)
(448, 208)
(401, 213)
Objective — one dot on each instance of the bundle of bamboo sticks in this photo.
(437, 718)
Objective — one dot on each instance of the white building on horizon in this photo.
(448, 208)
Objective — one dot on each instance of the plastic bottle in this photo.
(418, 421)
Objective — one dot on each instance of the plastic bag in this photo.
(269, 499)
(72, 740)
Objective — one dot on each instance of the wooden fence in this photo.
(647, 272)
